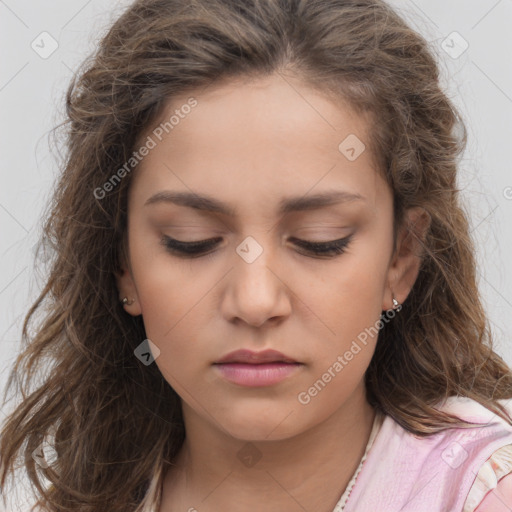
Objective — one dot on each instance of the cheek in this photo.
(173, 323)
(348, 295)
(347, 304)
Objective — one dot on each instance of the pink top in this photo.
(451, 471)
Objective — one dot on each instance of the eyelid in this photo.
(327, 248)
(189, 248)
(199, 248)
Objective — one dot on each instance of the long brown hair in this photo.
(117, 421)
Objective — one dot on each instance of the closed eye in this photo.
(331, 248)
(200, 248)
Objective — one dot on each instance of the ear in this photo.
(406, 261)
(126, 286)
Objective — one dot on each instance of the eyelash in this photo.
(200, 248)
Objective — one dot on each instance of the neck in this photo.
(309, 471)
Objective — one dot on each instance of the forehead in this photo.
(246, 138)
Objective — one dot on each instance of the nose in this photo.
(257, 289)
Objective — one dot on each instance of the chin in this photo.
(253, 424)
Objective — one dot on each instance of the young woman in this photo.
(262, 294)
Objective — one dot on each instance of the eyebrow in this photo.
(286, 205)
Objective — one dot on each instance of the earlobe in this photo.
(406, 262)
(128, 291)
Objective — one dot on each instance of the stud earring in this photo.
(396, 305)
(126, 303)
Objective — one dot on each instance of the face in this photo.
(299, 255)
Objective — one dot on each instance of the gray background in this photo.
(31, 103)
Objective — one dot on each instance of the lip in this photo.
(250, 357)
(256, 369)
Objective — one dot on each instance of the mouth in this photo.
(256, 369)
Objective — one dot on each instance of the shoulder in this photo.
(491, 490)
(438, 470)
(469, 465)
